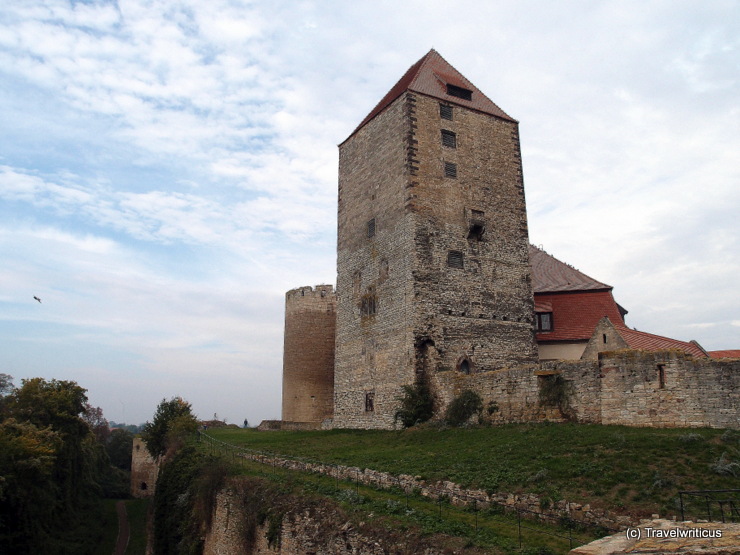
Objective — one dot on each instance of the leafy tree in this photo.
(463, 407)
(119, 446)
(51, 467)
(172, 422)
(417, 405)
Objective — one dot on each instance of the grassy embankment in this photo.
(635, 471)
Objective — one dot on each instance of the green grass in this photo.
(109, 534)
(137, 513)
(395, 510)
(630, 470)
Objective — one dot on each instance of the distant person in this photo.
(246, 424)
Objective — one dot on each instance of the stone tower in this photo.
(308, 355)
(432, 256)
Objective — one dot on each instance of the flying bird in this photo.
(35, 297)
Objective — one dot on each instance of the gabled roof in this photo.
(430, 76)
(576, 313)
(650, 342)
(549, 275)
(729, 353)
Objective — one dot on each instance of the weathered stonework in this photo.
(402, 221)
(308, 356)
(310, 527)
(144, 471)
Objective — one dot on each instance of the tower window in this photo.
(455, 259)
(371, 228)
(544, 321)
(450, 169)
(369, 302)
(445, 111)
(459, 92)
(370, 401)
(661, 376)
(449, 138)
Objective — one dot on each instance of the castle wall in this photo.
(481, 312)
(624, 387)
(426, 312)
(308, 359)
(374, 270)
(669, 389)
(144, 471)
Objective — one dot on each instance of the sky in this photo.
(168, 170)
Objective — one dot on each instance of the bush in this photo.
(417, 405)
(463, 407)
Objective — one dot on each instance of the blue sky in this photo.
(168, 169)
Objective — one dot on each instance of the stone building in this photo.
(308, 354)
(437, 282)
(144, 471)
(432, 254)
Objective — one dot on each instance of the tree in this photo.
(172, 422)
(119, 447)
(417, 405)
(52, 467)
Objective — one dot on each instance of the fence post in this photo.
(519, 525)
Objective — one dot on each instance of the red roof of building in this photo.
(649, 342)
(430, 76)
(729, 353)
(576, 313)
(550, 275)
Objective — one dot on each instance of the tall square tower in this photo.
(432, 255)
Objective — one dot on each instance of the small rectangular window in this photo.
(371, 228)
(459, 92)
(369, 302)
(369, 401)
(455, 259)
(450, 169)
(449, 138)
(544, 321)
(445, 111)
(661, 376)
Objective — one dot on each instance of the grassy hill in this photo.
(636, 471)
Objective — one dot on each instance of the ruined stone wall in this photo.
(301, 526)
(374, 273)
(669, 389)
(144, 471)
(308, 356)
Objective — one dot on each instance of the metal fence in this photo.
(719, 505)
(385, 481)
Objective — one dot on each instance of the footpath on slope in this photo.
(123, 529)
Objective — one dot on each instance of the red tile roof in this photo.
(430, 76)
(575, 314)
(649, 342)
(550, 275)
(729, 353)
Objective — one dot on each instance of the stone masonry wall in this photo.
(669, 389)
(404, 311)
(144, 471)
(308, 356)
(374, 273)
(481, 312)
(304, 527)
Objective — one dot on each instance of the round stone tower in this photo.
(308, 357)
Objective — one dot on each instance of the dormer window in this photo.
(459, 92)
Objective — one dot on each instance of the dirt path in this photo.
(123, 529)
